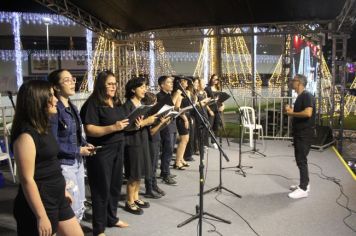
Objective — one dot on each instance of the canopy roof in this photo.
(142, 15)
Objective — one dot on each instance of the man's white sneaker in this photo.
(215, 146)
(294, 187)
(298, 193)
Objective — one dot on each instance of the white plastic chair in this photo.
(248, 122)
(5, 155)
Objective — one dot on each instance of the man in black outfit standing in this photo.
(303, 124)
(167, 134)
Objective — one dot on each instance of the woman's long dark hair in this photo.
(217, 86)
(132, 84)
(99, 92)
(176, 82)
(32, 107)
(54, 78)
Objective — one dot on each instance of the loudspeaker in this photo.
(323, 137)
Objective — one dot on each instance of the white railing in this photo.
(270, 114)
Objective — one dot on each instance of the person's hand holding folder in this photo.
(121, 124)
(141, 122)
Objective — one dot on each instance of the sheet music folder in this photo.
(136, 113)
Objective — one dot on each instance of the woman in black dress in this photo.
(42, 206)
(104, 121)
(137, 153)
(203, 99)
(216, 109)
(183, 122)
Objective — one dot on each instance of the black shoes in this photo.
(169, 181)
(170, 175)
(133, 208)
(153, 195)
(189, 158)
(158, 190)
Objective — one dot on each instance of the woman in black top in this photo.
(183, 122)
(42, 205)
(138, 161)
(216, 109)
(104, 121)
(199, 97)
(203, 99)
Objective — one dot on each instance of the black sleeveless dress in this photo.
(50, 183)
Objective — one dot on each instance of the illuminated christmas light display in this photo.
(18, 53)
(104, 59)
(152, 62)
(35, 18)
(236, 61)
(89, 37)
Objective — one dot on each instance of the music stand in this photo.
(240, 167)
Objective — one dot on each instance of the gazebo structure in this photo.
(129, 22)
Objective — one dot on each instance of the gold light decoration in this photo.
(350, 101)
(104, 58)
(236, 52)
(275, 82)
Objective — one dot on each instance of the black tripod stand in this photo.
(200, 209)
(220, 186)
(255, 130)
(240, 167)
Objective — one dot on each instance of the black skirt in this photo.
(137, 157)
(181, 127)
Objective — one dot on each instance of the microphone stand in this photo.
(199, 208)
(240, 167)
(220, 186)
(254, 149)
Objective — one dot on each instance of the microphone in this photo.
(9, 94)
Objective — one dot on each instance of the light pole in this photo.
(47, 21)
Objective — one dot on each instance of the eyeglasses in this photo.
(69, 80)
(111, 84)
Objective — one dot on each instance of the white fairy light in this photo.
(18, 52)
(152, 61)
(89, 36)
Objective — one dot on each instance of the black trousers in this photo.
(167, 144)
(105, 176)
(151, 182)
(301, 150)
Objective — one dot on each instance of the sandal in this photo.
(175, 166)
(133, 208)
(142, 204)
(185, 164)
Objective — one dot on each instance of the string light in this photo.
(152, 61)
(18, 53)
(35, 18)
(206, 58)
(89, 37)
